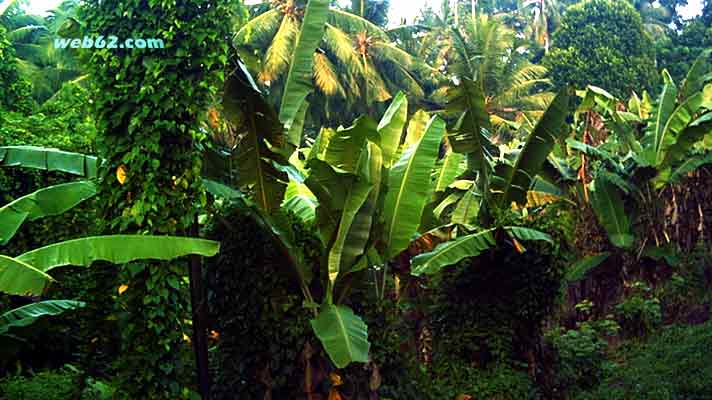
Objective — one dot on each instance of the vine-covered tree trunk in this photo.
(149, 104)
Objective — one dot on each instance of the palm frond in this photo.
(278, 54)
(351, 23)
(325, 76)
(259, 29)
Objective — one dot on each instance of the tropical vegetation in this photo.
(303, 199)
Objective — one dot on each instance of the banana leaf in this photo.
(584, 266)
(451, 168)
(355, 221)
(26, 315)
(451, 252)
(49, 160)
(510, 183)
(607, 203)
(390, 128)
(343, 334)
(409, 188)
(17, 278)
(259, 151)
(656, 138)
(48, 201)
(299, 78)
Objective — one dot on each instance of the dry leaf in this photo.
(335, 395)
(335, 379)
(121, 174)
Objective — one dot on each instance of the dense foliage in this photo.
(602, 43)
(504, 200)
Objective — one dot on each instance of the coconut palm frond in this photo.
(278, 54)
(260, 28)
(341, 46)
(325, 76)
(351, 23)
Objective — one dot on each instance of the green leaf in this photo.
(345, 147)
(48, 160)
(262, 143)
(582, 267)
(299, 79)
(451, 199)
(117, 249)
(343, 334)
(452, 167)
(691, 164)
(511, 183)
(451, 252)
(528, 234)
(657, 139)
(607, 203)
(48, 201)
(467, 208)
(354, 223)
(17, 277)
(691, 134)
(695, 79)
(409, 188)
(26, 315)
(390, 128)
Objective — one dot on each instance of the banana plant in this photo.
(28, 274)
(497, 185)
(652, 145)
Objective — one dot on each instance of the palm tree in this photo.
(45, 67)
(484, 50)
(356, 67)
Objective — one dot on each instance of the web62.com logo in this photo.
(112, 42)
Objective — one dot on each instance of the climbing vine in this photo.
(148, 104)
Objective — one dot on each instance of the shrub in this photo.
(55, 385)
(581, 353)
(640, 313)
(256, 307)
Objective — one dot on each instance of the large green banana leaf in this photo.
(582, 267)
(259, 151)
(117, 249)
(451, 252)
(452, 166)
(299, 78)
(345, 147)
(607, 203)
(48, 159)
(467, 208)
(696, 76)
(469, 135)
(416, 129)
(390, 128)
(355, 221)
(26, 315)
(693, 133)
(343, 334)
(48, 201)
(409, 188)
(657, 139)
(510, 183)
(20, 278)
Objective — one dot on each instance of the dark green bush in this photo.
(256, 307)
(581, 353)
(673, 364)
(639, 313)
